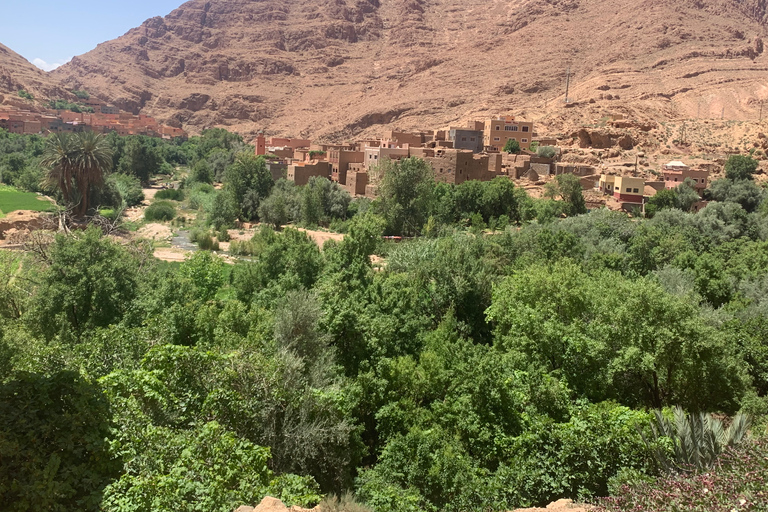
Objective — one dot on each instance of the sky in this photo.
(49, 33)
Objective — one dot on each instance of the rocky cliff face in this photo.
(344, 67)
(16, 73)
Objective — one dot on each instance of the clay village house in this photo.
(104, 119)
(456, 154)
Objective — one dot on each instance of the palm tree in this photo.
(76, 163)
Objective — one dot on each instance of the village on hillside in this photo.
(100, 117)
(472, 152)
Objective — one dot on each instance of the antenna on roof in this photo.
(567, 83)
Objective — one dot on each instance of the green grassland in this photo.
(12, 199)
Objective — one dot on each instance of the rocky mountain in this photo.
(340, 68)
(17, 73)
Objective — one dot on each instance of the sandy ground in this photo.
(171, 254)
(320, 237)
(155, 231)
(559, 506)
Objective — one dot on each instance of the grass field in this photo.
(12, 199)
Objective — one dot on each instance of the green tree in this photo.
(512, 146)
(222, 211)
(76, 164)
(140, 159)
(740, 167)
(88, 281)
(406, 195)
(54, 443)
(250, 182)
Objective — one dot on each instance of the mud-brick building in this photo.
(300, 172)
(498, 130)
(459, 165)
(340, 160)
(466, 138)
(677, 172)
(356, 181)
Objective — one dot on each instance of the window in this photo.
(511, 128)
(472, 139)
(463, 139)
(495, 138)
(634, 190)
(498, 128)
(523, 140)
(525, 128)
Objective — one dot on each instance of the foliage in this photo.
(66, 105)
(86, 282)
(26, 95)
(140, 158)
(83, 95)
(162, 211)
(735, 482)
(697, 439)
(249, 182)
(512, 146)
(76, 164)
(406, 195)
(128, 187)
(54, 443)
(740, 167)
(222, 211)
(545, 151)
(173, 194)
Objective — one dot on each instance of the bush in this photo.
(24, 94)
(206, 243)
(200, 196)
(128, 187)
(736, 482)
(546, 151)
(174, 194)
(54, 443)
(223, 235)
(160, 211)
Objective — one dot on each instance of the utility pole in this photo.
(698, 110)
(567, 83)
(761, 110)
(722, 114)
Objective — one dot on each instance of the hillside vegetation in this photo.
(511, 353)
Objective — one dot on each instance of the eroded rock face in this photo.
(340, 68)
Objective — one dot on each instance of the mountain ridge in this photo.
(355, 67)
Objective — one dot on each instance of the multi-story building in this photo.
(458, 165)
(466, 138)
(385, 150)
(629, 189)
(300, 172)
(677, 172)
(340, 160)
(500, 129)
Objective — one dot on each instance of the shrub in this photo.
(242, 248)
(206, 243)
(735, 482)
(128, 187)
(200, 196)
(546, 151)
(24, 94)
(223, 235)
(174, 194)
(160, 211)
(55, 443)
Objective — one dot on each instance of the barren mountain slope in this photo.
(338, 68)
(17, 73)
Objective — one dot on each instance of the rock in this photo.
(270, 504)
